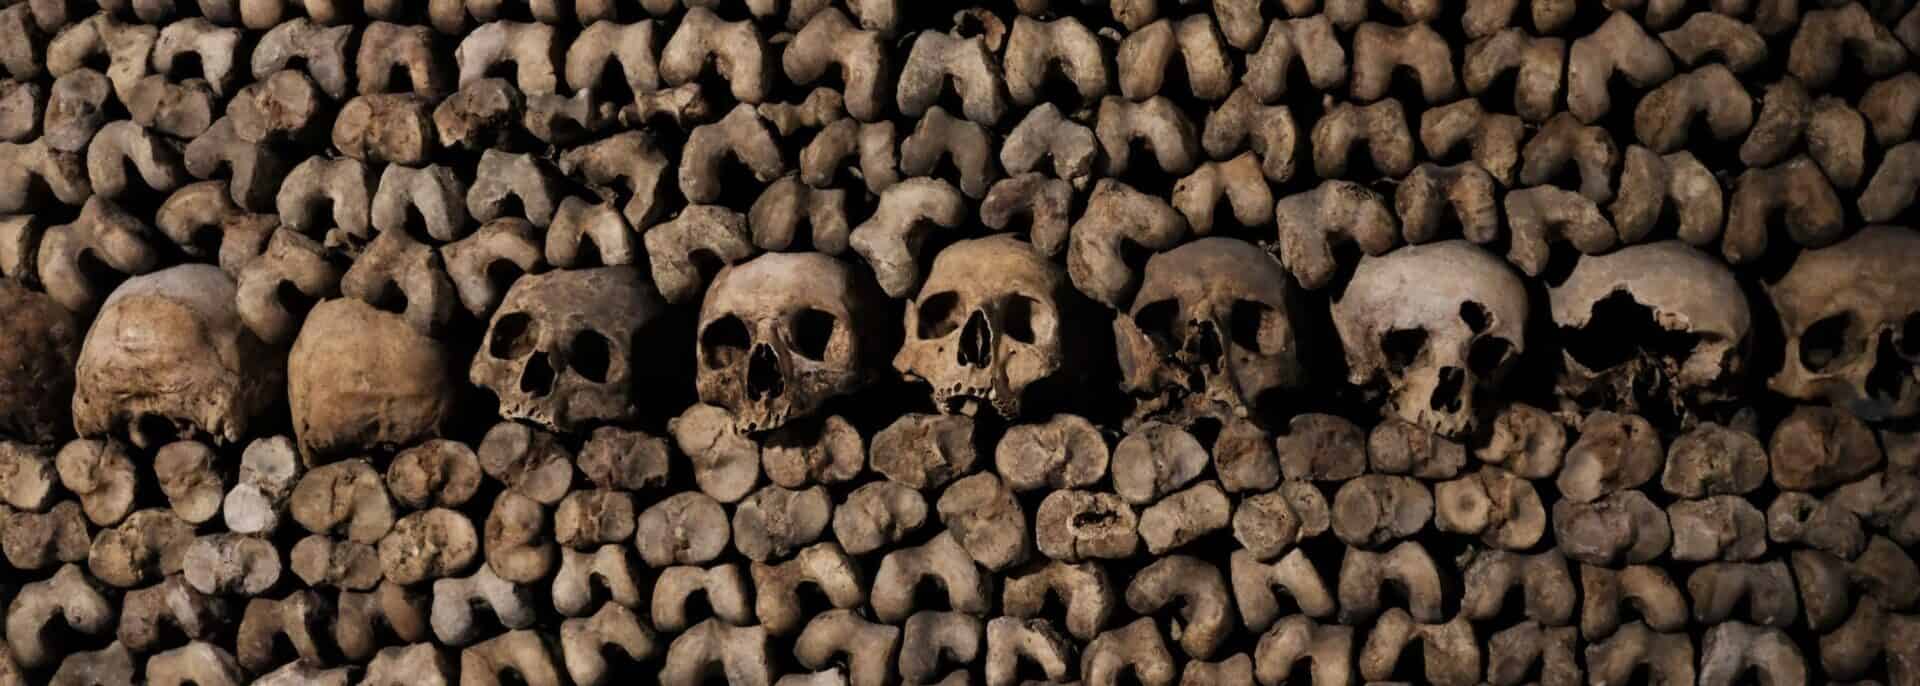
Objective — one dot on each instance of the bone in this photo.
(1665, 656)
(297, 619)
(1137, 648)
(878, 514)
(826, 567)
(1307, 39)
(231, 564)
(36, 540)
(429, 544)
(1198, 589)
(71, 597)
(1321, 447)
(1115, 214)
(1012, 642)
(1184, 517)
(195, 663)
(455, 600)
(1502, 508)
(1525, 440)
(1333, 213)
(941, 558)
(1399, 447)
(525, 655)
(420, 663)
(1819, 447)
(147, 545)
(286, 106)
(726, 465)
(869, 648)
(1406, 565)
(1766, 588)
(1450, 653)
(1516, 652)
(347, 498)
(110, 665)
(1375, 510)
(1619, 47)
(101, 476)
(983, 515)
(738, 653)
(1381, 126)
(726, 592)
(269, 472)
(1720, 527)
(678, 246)
(1615, 453)
(778, 215)
(1326, 648)
(1536, 62)
(686, 528)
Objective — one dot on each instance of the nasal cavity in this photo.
(537, 379)
(1447, 393)
(976, 341)
(763, 374)
(1204, 344)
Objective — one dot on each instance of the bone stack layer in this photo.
(812, 342)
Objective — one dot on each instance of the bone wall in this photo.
(891, 342)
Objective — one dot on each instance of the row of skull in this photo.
(1214, 330)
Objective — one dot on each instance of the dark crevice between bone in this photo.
(1450, 394)
(1890, 376)
(812, 333)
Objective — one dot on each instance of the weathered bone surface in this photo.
(411, 343)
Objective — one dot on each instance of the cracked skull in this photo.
(1432, 325)
(1852, 320)
(1656, 328)
(168, 356)
(1212, 326)
(987, 325)
(560, 350)
(782, 334)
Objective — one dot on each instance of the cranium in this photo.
(1435, 324)
(359, 377)
(168, 357)
(1851, 314)
(1652, 328)
(783, 333)
(1212, 326)
(36, 364)
(988, 324)
(560, 350)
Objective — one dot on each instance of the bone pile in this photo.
(864, 342)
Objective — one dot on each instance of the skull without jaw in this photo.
(1436, 323)
(560, 350)
(168, 356)
(988, 325)
(782, 334)
(1212, 327)
(1657, 329)
(1851, 314)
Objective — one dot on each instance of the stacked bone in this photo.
(808, 343)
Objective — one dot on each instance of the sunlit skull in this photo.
(783, 333)
(169, 357)
(1432, 325)
(1653, 329)
(1211, 330)
(560, 349)
(988, 324)
(1851, 315)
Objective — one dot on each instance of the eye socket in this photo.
(514, 336)
(1156, 319)
(590, 356)
(1474, 315)
(1022, 318)
(939, 315)
(1907, 338)
(1488, 354)
(1257, 326)
(1825, 343)
(812, 331)
(1402, 346)
(724, 342)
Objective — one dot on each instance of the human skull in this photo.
(1436, 323)
(1851, 314)
(359, 377)
(560, 350)
(169, 357)
(36, 364)
(988, 324)
(781, 334)
(1654, 328)
(1211, 327)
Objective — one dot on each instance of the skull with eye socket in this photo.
(1432, 326)
(991, 321)
(1211, 332)
(783, 333)
(560, 351)
(1851, 314)
(1657, 329)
